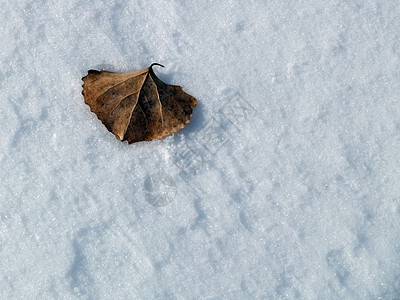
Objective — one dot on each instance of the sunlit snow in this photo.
(285, 185)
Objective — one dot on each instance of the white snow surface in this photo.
(285, 185)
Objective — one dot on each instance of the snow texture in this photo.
(285, 185)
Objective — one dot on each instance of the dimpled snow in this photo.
(284, 185)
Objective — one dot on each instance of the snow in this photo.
(285, 185)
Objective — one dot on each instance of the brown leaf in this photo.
(137, 106)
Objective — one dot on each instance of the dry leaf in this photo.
(137, 106)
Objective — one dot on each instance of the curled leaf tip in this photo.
(156, 64)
